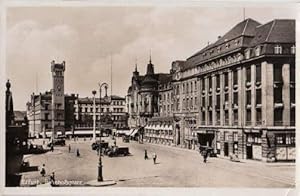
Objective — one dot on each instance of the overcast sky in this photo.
(86, 38)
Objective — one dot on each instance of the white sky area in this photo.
(86, 38)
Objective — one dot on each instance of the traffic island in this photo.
(96, 183)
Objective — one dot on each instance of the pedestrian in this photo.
(69, 148)
(154, 156)
(205, 155)
(146, 155)
(77, 153)
(52, 179)
(43, 171)
(52, 147)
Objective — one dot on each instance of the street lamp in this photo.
(94, 116)
(100, 177)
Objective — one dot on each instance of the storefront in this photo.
(285, 149)
(253, 144)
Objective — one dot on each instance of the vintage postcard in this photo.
(104, 96)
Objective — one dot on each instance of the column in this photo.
(241, 96)
(267, 91)
(253, 95)
(206, 100)
(286, 94)
(214, 99)
(230, 94)
(222, 82)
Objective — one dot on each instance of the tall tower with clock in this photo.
(58, 99)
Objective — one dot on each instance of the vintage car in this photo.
(96, 145)
(209, 150)
(57, 142)
(114, 151)
(126, 139)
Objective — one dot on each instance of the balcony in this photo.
(203, 123)
(258, 122)
(248, 123)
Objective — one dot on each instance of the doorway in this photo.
(249, 152)
(226, 149)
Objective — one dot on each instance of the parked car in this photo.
(126, 139)
(114, 151)
(57, 142)
(96, 145)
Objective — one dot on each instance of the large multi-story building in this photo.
(39, 114)
(237, 95)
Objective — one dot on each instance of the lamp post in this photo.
(94, 116)
(100, 177)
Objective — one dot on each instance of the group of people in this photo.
(77, 151)
(154, 156)
(52, 176)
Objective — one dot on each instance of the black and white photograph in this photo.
(149, 96)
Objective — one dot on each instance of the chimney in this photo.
(219, 37)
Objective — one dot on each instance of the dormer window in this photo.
(293, 49)
(278, 49)
(257, 51)
(237, 42)
(227, 45)
(247, 54)
(219, 49)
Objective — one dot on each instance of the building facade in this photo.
(237, 95)
(113, 108)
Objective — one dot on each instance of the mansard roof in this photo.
(276, 31)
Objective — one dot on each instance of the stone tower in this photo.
(58, 98)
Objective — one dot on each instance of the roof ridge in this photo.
(245, 26)
(270, 30)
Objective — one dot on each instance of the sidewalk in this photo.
(269, 164)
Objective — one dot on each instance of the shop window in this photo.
(226, 136)
(279, 139)
(235, 136)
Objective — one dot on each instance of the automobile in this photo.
(126, 139)
(115, 151)
(95, 145)
(209, 149)
(57, 142)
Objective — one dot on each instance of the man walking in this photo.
(146, 155)
(154, 156)
(205, 155)
(69, 148)
(43, 171)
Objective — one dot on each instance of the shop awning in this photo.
(134, 132)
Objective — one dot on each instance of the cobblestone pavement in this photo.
(175, 168)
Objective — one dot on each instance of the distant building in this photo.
(39, 113)
(113, 112)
